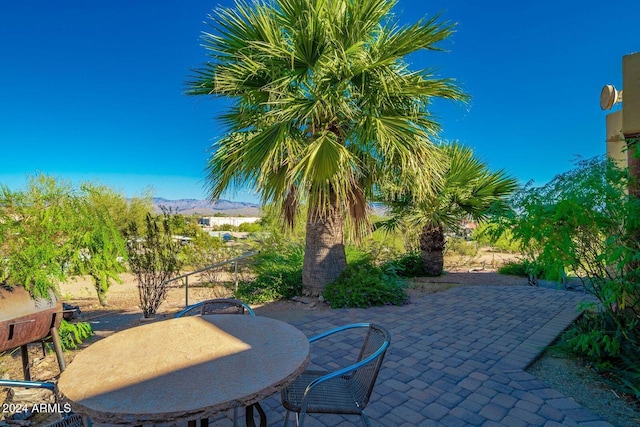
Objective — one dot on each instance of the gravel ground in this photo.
(574, 379)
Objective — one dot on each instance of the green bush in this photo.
(493, 235)
(527, 268)
(266, 289)
(72, 334)
(365, 285)
(357, 256)
(279, 275)
(407, 265)
(611, 345)
(513, 268)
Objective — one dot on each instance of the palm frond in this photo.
(358, 210)
(467, 189)
(323, 102)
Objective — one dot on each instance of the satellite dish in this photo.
(609, 96)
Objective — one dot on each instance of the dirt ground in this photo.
(123, 297)
(461, 271)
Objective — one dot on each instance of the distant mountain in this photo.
(227, 207)
(205, 207)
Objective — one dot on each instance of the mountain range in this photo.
(207, 208)
(226, 207)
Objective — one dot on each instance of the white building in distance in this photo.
(217, 221)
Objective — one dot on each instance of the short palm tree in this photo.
(324, 110)
(467, 190)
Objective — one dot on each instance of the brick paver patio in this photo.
(457, 358)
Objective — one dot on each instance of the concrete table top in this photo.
(183, 369)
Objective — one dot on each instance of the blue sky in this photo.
(93, 90)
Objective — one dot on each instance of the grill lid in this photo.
(24, 319)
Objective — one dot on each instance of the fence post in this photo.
(186, 291)
(235, 265)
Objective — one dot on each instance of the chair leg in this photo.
(235, 417)
(365, 419)
(299, 419)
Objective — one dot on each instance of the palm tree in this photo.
(324, 110)
(468, 189)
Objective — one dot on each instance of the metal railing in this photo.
(185, 276)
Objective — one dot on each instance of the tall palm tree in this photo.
(467, 189)
(324, 110)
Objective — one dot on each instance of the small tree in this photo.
(122, 210)
(37, 237)
(153, 259)
(51, 230)
(102, 245)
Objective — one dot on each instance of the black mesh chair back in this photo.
(363, 379)
(342, 391)
(217, 306)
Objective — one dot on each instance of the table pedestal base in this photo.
(248, 417)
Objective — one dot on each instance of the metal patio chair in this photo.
(67, 420)
(343, 391)
(217, 306)
(223, 306)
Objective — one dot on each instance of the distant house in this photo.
(467, 228)
(217, 221)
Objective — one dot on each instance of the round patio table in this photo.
(181, 369)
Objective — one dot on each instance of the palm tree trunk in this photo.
(324, 255)
(432, 249)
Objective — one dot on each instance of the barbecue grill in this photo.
(25, 320)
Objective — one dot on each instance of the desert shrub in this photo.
(51, 230)
(513, 268)
(492, 235)
(154, 258)
(610, 345)
(458, 246)
(585, 221)
(382, 245)
(407, 265)
(265, 289)
(358, 255)
(72, 334)
(365, 285)
(279, 271)
(523, 268)
(278, 275)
